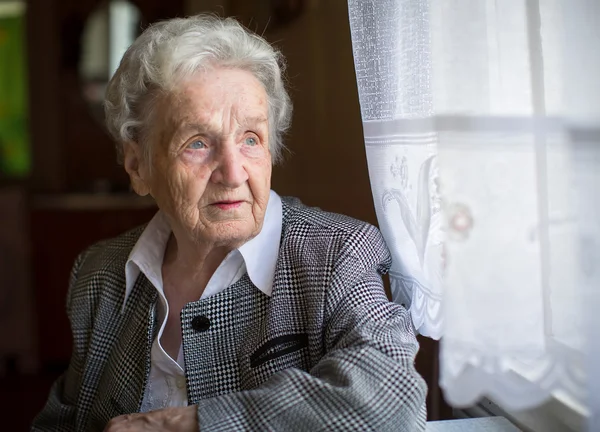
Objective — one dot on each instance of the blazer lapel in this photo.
(128, 366)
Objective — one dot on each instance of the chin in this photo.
(232, 234)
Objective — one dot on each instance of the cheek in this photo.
(260, 178)
(255, 153)
(193, 183)
(186, 185)
(265, 166)
(267, 173)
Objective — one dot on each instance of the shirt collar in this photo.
(260, 253)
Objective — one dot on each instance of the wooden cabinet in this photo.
(71, 150)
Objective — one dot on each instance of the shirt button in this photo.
(201, 323)
(180, 382)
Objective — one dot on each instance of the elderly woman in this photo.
(233, 308)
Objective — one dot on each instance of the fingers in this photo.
(125, 423)
(166, 420)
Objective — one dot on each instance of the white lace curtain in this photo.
(482, 132)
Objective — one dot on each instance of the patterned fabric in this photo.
(327, 350)
(166, 385)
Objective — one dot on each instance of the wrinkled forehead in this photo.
(217, 96)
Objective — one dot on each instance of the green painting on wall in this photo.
(15, 157)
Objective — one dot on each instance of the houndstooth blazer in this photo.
(327, 351)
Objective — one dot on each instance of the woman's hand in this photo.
(169, 419)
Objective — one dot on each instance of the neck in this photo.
(188, 266)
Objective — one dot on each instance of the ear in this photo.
(134, 164)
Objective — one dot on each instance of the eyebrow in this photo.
(196, 127)
(203, 128)
(254, 120)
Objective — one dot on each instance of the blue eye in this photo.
(251, 141)
(196, 145)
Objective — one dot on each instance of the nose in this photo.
(230, 170)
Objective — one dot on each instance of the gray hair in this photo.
(172, 50)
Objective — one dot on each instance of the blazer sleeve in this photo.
(59, 413)
(366, 380)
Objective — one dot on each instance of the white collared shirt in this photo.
(258, 257)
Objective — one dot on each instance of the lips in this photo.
(227, 204)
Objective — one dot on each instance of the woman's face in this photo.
(211, 165)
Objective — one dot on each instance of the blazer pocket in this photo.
(277, 347)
